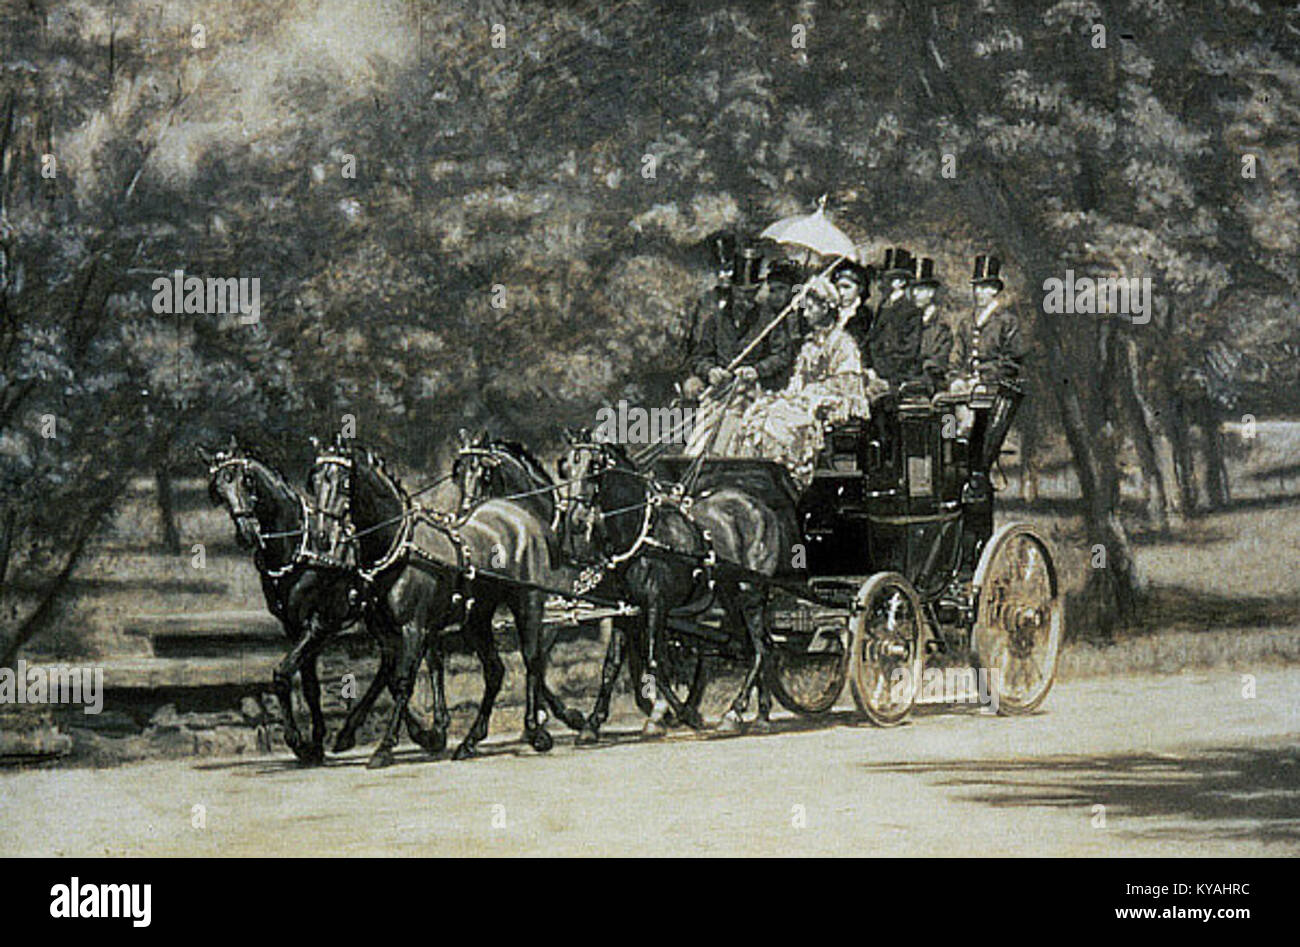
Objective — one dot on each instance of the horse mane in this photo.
(276, 474)
(272, 470)
(526, 458)
(377, 463)
(620, 453)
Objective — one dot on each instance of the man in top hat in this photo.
(731, 327)
(936, 334)
(988, 346)
(893, 342)
(721, 246)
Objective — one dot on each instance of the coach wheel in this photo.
(807, 676)
(1019, 619)
(888, 650)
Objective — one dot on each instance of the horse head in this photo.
(600, 486)
(231, 484)
(358, 504)
(474, 469)
(329, 484)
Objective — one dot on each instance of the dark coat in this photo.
(994, 351)
(722, 339)
(894, 341)
(936, 350)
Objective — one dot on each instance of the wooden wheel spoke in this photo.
(1018, 622)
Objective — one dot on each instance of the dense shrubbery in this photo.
(519, 170)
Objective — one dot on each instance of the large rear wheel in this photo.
(888, 652)
(1019, 619)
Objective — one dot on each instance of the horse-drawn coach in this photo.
(898, 561)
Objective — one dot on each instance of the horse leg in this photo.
(699, 681)
(608, 675)
(282, 682)
(347, 736)
(634, 649)
(528, 621)
(435, 740)
(311, 693)
(664, 698)
(732, 721)
(411, 649)
(381, 631)
(762, 723)
(478, 631)
(572, 719)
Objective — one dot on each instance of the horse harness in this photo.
(403, 548)
(645, 544)
(302, 555)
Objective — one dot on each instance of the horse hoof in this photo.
(541, 740)
(653, 728)
(587, 736)
(432, 741)
(574, 720)
(344, 742)
(693, 719)
(761, 725)
(380, 759)
(466, 751)
(729, 724)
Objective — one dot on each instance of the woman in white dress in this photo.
(827, 385)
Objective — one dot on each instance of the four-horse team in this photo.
(828, 519)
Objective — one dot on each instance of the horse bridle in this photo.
(249, 513)
(402, 545)
(344, 530)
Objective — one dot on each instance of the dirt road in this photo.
(1182, 766)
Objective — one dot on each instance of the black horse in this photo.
(674, 555)
(485, 468)
(426, 572)
(310, 601)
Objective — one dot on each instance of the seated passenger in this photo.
(893, 344)
(988, 347)
(733, 325)
(936, 334)
(783, 277)
(828, 384)
(722, 251)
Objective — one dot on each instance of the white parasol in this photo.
(814, 232)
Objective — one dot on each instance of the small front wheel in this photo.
(888, 656)
(807, 676)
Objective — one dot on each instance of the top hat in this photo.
(749, 263)
(925, 273)
(987, 270)
(783, 271)
(898, 262)
(722, 249)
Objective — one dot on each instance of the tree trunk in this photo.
(40, 617)
(171, 537)
(1180, 440)
(1141, 424)
(8, 521)
(991, 199)
(1216, 467)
